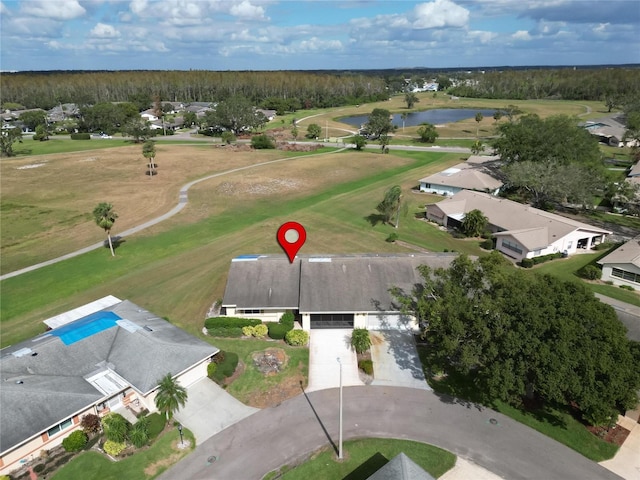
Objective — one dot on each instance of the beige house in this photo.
(520, 231)
(622, 266)
(105, 356)
(329, 291)
(474, 174)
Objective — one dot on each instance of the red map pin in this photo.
(291, 237)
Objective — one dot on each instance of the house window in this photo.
(58, 428)
(249, 311)
(569, 245)
(632, 277)
(427, 185)
(511, 246)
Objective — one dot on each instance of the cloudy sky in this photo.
(314, 34)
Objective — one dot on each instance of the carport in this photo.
(209, 410)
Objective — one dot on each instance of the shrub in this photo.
(288, 318)
(75, 441)
(392, 237)
(526, 262)
(228, 137)
(277, 331)
(297, 338)
(41, 466)
(90, 423)
(157, 423)
(366, 366)
(360, 340)
(211, 369)
(487, 244)
(546, 258)
(114, 448)
(248, 331)
(5, 477)
(589, 272)
(139, 433)
(260, 331)
(226, 366)
(115, 427)
(627, 287)
(229, 322)
(260, 142)
(225, 332)
(80, 136)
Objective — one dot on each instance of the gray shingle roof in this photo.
(401, 467)
(472, 176)
(626, 253)
(54, 384)
(326, 284)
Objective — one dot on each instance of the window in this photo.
(58, 428)
(427, 185)
(251, 312)
(511, 246)
(632, 277)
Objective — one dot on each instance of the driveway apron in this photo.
(395, 360)
(325, 347)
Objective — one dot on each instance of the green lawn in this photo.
(64, 145)
(550, 421)
(252, 381)
(143, 465)
(365, 456)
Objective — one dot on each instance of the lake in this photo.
(436, 116)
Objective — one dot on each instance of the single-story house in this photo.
(609, 130)
(327, 291)
(474, 174)
(521, 231)
(104, 356)
(149, 115)
(622, 266)
(269, 114)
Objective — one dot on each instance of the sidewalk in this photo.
(626, 462)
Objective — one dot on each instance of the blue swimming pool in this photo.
(85, 327)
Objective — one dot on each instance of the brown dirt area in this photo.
(616, 435)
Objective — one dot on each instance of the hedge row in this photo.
(80, 136)
(530, 262)
(229, 332)
(227, 322)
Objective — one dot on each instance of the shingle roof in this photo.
(401, 467)
(629, 252)
(513, 217)
(473, 176)
(54, 382)
(323, 284)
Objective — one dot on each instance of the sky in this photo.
(314, 34)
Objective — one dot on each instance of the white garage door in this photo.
(389, 321)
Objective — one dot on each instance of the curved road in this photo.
(277, 436)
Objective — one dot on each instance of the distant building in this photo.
(474, 174)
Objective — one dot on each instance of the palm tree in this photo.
(403, 116)
(105, 217)
(479, 118)
(171, 395)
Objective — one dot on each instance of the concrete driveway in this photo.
(395, 360)
(209, 410)
(325, 347)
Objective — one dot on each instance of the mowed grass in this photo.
(179, 269)
(363, 457)
(64, 144)
(143, 465)
(252, 383)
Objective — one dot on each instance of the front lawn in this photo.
(365, 456)
(143, 465)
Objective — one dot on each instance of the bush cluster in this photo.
(366, 366)
(262, 142)
(80, 136)
(392, 237)
(277, 331)
(590, 272)
(259, 331)
(487, 244)
(227, 363)
(75, 441)
(229, 326)
(211, 369)
(530, 262)
(297, 338)
(627, 287)
(360, 340)
(114, 448)
(90, 423)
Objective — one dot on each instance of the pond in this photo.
(436, 116)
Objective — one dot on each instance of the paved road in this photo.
(280, 435)
(628, 314)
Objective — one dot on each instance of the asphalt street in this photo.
(276, 436)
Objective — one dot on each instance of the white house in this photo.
(328, 291)
(520, 231)
(104, 356)
(474, 174)
(622, 266)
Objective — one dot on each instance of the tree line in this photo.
(299, 89)
(604, 84)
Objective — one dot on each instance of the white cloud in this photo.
(54, 10)
(438, 14)
(522, 35)
(483, 37)
(102, 30)
(247, 10)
